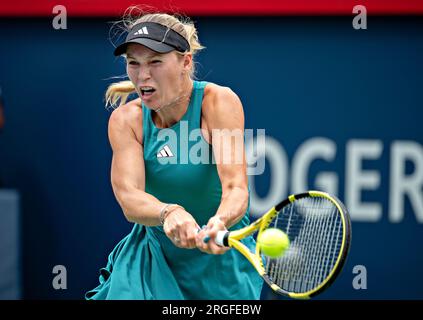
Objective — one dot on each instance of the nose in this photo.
(144, 74)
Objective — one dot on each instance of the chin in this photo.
(148, 105)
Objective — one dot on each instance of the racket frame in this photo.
(233, 239)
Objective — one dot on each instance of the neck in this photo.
(167, 115)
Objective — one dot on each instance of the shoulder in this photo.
(128, 116)
(215, 94)
(219, 102)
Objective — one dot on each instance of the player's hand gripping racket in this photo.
(319, 230)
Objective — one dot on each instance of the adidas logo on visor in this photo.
(143, 30)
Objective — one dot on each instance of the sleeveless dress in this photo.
(179, 168)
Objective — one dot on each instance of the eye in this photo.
(133, 63)
(155, 61)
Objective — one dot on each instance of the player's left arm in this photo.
(225, 122)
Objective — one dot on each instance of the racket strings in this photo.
(320, 250)
(314, 227)
(311, 271)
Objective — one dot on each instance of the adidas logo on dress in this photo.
(164, 152)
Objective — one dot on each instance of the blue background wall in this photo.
(55, 151)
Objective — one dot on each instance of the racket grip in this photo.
(220, 238)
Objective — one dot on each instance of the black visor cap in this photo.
(154, 36)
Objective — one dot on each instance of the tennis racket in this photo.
(319, 229)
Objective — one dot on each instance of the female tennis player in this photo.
(176, 205)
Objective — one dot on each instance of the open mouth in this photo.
(147, 91)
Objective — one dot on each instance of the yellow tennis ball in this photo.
(273, 242)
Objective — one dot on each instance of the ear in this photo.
(187, 62)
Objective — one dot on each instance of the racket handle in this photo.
(221, 237)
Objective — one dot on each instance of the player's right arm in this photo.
(128, 178)
(128, 171)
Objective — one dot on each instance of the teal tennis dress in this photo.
(145, 264)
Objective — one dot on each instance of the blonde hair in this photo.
(120, 91)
